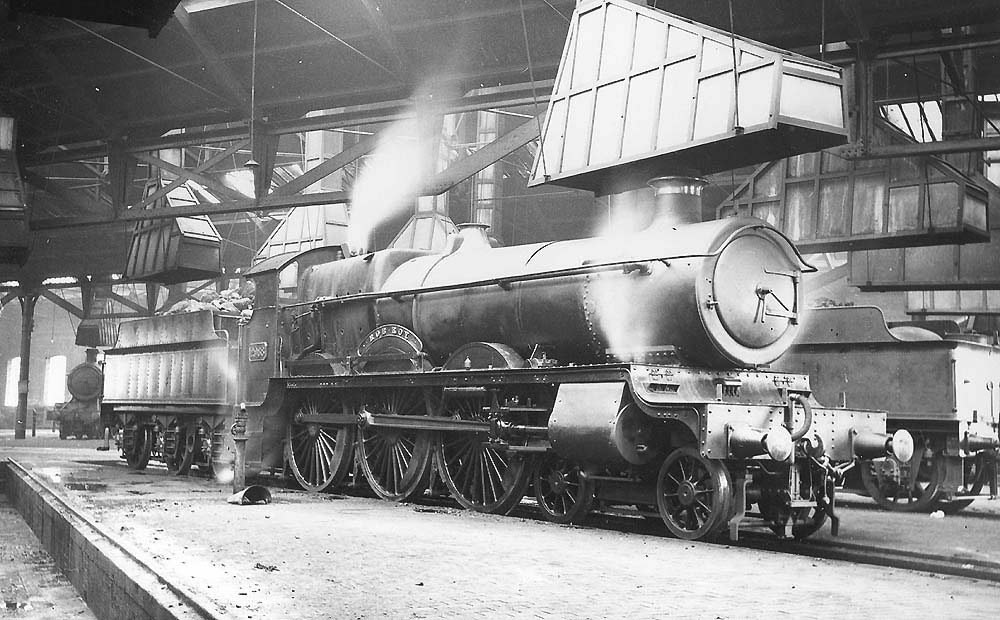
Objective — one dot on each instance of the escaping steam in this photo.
(613, 293)
(393, 175)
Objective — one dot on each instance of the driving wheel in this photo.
(395, 461)
(479, 474)
(318, 455)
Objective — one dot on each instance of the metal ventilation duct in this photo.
(174, 250)
(642, 93)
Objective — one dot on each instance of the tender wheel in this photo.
(212, 452)
(137, 445)
(563, 493)
(395, 461)
(913, 486)
(480, 475)
(318, 455)
(694, 494)
(976, 472)
(179, 447)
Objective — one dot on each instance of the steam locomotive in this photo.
(81, 415)
(611, 371)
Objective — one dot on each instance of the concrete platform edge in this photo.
(114, 584)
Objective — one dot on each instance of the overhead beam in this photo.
(268, 203)
(320, 99)
(128, 303)
(501, 97)
(941, 147)
(206, 165)
(62, 303)
(498, 97)
(287, 195)
(74, 199)
(484, 157)
(326, 168)
(210, 183)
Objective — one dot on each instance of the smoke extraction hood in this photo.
(642, 93)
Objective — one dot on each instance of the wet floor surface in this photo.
(324, 556)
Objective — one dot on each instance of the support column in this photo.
(28, 297)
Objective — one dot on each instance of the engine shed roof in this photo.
(71, 81)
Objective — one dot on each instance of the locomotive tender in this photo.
(931, 378)
(626, 372)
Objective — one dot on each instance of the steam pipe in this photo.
(790, 412)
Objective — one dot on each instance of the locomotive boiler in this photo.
(720, 294)
(623, 371)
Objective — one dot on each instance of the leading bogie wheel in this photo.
(318, 455)
(563, 491)
(694, 494)
(394, 461)
(480, 475)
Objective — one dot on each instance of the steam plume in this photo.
(393, 175)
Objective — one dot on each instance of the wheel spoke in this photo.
(395, 461)
(318, 456)
(692, 494)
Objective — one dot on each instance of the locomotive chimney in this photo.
(677, 200)
(471, 236)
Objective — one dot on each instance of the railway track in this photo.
(964, 513)
(880, 556)
(817, 548)
(764, 540)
